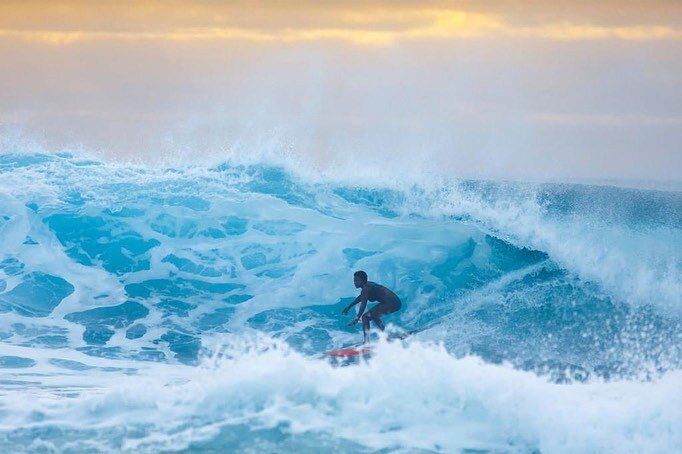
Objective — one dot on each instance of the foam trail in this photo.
(413, 397)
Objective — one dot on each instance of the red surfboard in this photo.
(349, 352)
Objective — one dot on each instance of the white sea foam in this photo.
(413, 397)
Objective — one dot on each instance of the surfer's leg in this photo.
(377, 312)
(382, 309)
(365, 325)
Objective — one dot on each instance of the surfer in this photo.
(371, 291)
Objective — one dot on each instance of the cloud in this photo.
(361, 24)
(573, 32)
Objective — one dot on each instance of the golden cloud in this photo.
(360, 26)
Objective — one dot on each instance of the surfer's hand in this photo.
(345, 311)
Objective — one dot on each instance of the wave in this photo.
(546, 311)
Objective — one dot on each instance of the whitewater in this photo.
(187, 308)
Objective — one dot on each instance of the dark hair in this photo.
(361, 274)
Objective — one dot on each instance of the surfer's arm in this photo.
(363, 305)
(348, 308)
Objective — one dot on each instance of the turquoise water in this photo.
(187, 309)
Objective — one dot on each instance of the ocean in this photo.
(187, 308)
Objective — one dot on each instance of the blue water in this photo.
(188, 309)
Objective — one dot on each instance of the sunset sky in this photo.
(581, 90)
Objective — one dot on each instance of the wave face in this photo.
(188, 309)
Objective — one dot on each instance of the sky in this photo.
(513, 89)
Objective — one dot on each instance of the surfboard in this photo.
(348, 352)
(359, 350)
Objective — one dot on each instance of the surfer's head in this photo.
(359, 278)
